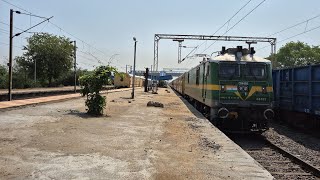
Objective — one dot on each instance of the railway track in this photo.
(280, 163)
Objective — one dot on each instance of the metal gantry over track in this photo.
(180, 38)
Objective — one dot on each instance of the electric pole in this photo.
(10, 48)
(146, 75)
(10, 56)
(127, 68)
(134, 66)
(75, 66)
(35, 71)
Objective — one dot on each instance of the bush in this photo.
(96, 104)
(91, 87)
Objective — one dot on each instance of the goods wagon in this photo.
(297, 94)
(234, 90)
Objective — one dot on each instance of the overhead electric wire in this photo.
(61, 29)
(317, 27)
(34, 15)
(90, 65)
(227, 22)
(90, 54)
(6, 44)
(229, 19)
(9, 25)
(236, 23)
(295, 25)
(300, 34)
(33, 26)
(4, 30)
(91, 60)
(79, 39)
(292, 26)
(16, 6)
(31, 14)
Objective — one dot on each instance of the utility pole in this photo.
(134, 66)
(146, 75)
(179, 48)
(10, 56)
(10, 48)
(127, 68)
(35, 71)
(75, 66)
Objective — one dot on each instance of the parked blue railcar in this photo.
(298, 90)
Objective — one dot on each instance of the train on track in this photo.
(234, 90)
(297, 96)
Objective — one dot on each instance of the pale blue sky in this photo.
(110, 25)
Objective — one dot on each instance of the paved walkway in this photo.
(38, 90)
(33, 101)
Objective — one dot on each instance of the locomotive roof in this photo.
(244, 58)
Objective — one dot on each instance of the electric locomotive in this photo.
(234, 90)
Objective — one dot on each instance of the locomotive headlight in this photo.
(240, 88)
(223, 88)
(245, 88)
(264, 89)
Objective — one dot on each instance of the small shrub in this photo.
(91, 85)
(96, 104)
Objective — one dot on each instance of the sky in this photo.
(104, 29)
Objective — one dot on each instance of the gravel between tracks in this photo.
(304, 146)
(280, 166)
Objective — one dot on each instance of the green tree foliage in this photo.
(52, 55)
(297, 54)
(92, 84)
(3, 77)
(22, 77)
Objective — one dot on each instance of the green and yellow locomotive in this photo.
(233, 89)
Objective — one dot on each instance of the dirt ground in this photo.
(131, 141)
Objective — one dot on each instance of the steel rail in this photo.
(315, 171)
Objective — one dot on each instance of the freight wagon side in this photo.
(297, 95)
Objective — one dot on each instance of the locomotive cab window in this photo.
(228, 70)
(255, 70)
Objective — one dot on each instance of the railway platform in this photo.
(40, 92)
(131, 141)
(40, 100)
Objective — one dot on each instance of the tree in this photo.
(92, 84)
(3, 77)
(297, 54)
(50, 53)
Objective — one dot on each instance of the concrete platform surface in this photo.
(32, 93)
(38, 90)
(33, 101)
(131, 141)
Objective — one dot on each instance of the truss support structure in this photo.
(180, 38)
(179, 48)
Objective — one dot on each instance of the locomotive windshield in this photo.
(255, 70)
(229, 70)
